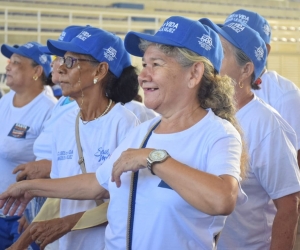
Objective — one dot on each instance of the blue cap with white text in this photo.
(254, 21)
(181, 32)
(66, 35)
(245, 39)
(31, 51)
(100, 44)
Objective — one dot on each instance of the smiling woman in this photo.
(178, 174)
(99, 78)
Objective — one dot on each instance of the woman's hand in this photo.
(22, 242)
(33, 170)
(23, 224)
(15, 197)
(15, 247)
(130, 160)
(45, 232)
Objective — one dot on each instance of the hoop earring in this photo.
(95, 80)
(241, 85)
(35, 77)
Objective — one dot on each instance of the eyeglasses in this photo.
(69, 61)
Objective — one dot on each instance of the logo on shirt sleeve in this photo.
(18, 131)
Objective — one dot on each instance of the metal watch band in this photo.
(149, 166)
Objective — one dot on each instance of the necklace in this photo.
(105, 112)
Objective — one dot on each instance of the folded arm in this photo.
(214, 195)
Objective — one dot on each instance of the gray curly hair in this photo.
(215, 91)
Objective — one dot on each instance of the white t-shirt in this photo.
(49, 92)
(273, 173)
(140, 110)
(19, 129)
(284, 96)
(42, 145)
(163, 220)
(99, 138)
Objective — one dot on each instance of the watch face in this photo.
(158, 155)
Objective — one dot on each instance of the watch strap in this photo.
(150, 165)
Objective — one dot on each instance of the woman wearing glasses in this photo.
(95, 70)
(180, 194)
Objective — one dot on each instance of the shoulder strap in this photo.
(132, 193)
(80, 154)
(79, 149)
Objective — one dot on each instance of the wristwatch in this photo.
(156, 156)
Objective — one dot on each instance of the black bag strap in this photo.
(132, 193)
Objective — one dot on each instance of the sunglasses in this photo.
(69, 61)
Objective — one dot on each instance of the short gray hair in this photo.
(169, 51)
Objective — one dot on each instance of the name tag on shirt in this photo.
(18, 131)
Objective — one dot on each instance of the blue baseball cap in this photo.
(57, 91)
(181, 32)
(245, 39)
(100, 44)
(254, 21)
(31, 51)
(66, 35)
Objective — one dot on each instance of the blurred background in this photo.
(28, 20)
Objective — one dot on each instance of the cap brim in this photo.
(59, 48)
(133, 39)
(7, 51)
(218, 28)
(45, 50)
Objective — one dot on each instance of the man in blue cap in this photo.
(277, 91)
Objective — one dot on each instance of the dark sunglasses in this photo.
(69, 61)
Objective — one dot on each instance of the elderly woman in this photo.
(41, 167)
(42, 146)
(181, 171)
(269, 219)
(23, 112)
(99, 82)
(276, 90)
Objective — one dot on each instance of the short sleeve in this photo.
(276, 168)
(103, 173)
(291, 101)
(224, 157)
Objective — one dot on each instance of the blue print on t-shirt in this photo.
(64, 155)
(162, 184)
(103, 154)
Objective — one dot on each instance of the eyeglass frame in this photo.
(62, 60)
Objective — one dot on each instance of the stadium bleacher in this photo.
(24, 20)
